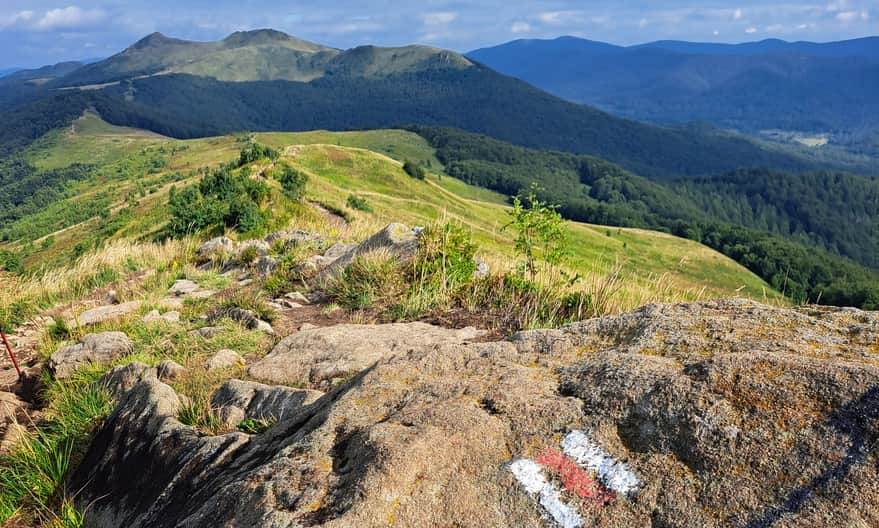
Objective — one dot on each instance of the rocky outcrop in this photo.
(317, 356)
(395, 239)
(238, 400)
(94, 348)
(711, 414)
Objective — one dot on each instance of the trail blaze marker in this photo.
(574, 465)
(11, 354)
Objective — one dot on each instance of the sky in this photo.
(38, 32)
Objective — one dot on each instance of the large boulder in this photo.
(317, 356)
(94, 348)
(711, 414)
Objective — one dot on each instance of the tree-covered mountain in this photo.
(792, 260)
(839, 212)
(828, 88)
(369, 87)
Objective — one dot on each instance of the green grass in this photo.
(367, 164)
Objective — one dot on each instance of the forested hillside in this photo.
(592, 190)
(839, 212)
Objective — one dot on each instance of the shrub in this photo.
(413, 169)
(358, 203)
(444, 259)
(11, 262)
(248, 255)
(293, 182)
(255, 152)
(540, 233)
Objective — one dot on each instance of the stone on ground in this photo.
(169, 370)
(224, 359)
(94, 348)
(103, 314)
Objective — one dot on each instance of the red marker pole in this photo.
(11, 355)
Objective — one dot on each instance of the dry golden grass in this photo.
(22, 296)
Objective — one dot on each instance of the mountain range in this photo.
(830, 88)
(267, 80)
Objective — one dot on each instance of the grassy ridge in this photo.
(367, 164)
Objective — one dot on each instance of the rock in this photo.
(111, 297)
(699, 415)
(224, 359)
(209, 332)
(94, 348)
(183, 287)
(338, 249)
(103, 314)
(395, 239)
(216, 249)
(238, 400)
(292, 239)
(154, 316)
(246, 318)
(123, 378)
(202, 294)
(307, 326)
(288, 304)
(265, 266)
(312, 356)
(263, 326)
(14, 416)
(482, 268)
(296, 297)
(169, 370)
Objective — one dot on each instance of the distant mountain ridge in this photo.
(802, 86)
(267, 80)
(259, 55)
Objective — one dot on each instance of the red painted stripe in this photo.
(574, 478)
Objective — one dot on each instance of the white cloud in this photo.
(737, 14)
(520, 27)
(751, 29)
(851, 16)
(556, 17)
(70, 17)
(716, 32)
(21, 16)
(439, 18)
(774, 28)
(643, 23)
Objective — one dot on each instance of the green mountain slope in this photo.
(260, 55)
(130, 180)
(593, 190)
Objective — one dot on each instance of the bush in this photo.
(413, 169)
(11, 262)
(293, 182)
(358, 203)
(255, 152)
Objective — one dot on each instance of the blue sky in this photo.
(36, 32)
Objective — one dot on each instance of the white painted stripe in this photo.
(614, 474)
(529, 474)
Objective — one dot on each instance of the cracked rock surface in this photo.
(730, 413)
